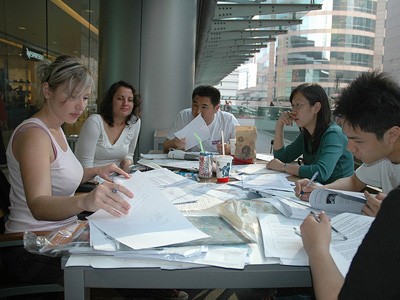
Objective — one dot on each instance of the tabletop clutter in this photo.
(242, 150)
(188, 221)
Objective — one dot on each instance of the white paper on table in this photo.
(154, 155)
(280, 239)
(152, 221)
(354, 227)
(164, 177)
(289, 208)
(262, 182)
(79, 260)
(264, 156)
(205, 202)
(192, 165)
(198, 126)
(109, 262)
(100, 241)
(176, 188)
(250, 169)
(233, 257)
(227, 257)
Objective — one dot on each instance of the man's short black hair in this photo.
(370, 103)
(208, 91)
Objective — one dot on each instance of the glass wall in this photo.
(331, 47)
(30, 31)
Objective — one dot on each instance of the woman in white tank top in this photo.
(44, 173)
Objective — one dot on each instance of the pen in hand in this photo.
(311, 181)
(333, 228)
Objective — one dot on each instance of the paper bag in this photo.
(245, 152)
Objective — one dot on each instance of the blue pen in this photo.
(311, 181)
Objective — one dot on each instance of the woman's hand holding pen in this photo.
(316, 235)
(373, 204)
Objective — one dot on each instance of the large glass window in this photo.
(354, 59)
(353, 41)
(330, 57)
(299, 75)
(368, 6)
(30, 31)
(349, 22)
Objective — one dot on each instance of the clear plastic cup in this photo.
(232, 144)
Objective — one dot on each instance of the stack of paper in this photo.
(155, 229)
(153, 221)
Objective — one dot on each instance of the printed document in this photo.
(198, 126)
(281, 238)
(354, 227)
(152, 221)
(337, 201)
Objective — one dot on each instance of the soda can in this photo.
(205, 165)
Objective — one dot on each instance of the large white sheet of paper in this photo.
(153, 221)
(281, 241)
(198, 126)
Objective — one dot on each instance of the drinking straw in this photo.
(223, 144)
(199, 139)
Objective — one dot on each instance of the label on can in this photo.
(205, 165)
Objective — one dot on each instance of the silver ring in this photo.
(114, 190)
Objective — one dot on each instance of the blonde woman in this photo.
(44, 172)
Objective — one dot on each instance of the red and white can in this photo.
(205, 164)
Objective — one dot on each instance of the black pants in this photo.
(21, 266)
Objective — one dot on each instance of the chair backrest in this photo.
(4, 199)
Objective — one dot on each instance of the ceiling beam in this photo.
(254, 41)
(224, 11)
(240, 34)
(229, 25)
(233, 48)
(225, 54)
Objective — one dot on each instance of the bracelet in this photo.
(284, 167)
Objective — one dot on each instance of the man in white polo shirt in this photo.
(205, 101)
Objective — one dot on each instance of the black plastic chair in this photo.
(10, 240)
